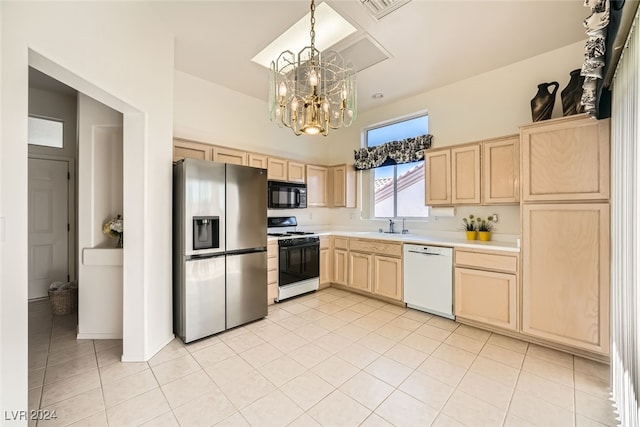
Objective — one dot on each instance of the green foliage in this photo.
(469, 224)
(485, 224)
(473, 223)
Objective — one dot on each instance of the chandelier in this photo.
(314, 92)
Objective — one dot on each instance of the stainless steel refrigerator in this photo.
(219, 247)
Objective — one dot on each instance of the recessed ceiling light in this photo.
(330, 29)
(377, 95)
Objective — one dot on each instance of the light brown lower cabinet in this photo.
(565, 282)
(387, 276)
(326, 262)
(340, 266)
(486, 288)
(272, 271)
(486, 297)
(360, 271)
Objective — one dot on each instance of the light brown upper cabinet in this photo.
(296, 172)
(565, 274)
(452, 175)
(437, 174)
(465, 175)
(257, 160)
(277, 169)
(565, 159)
(343, 184)
(317, 186)
(501, 171)
(229, 155)
(183, 149)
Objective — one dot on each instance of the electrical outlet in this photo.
(310, 216)
(495, 217)
(351, 215)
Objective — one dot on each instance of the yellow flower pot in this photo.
(471, 235)
(485, 236)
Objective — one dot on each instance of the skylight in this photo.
(330, 29)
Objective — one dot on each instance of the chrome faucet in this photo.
(391, 224)
(404, 230)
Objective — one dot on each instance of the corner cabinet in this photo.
(565, 286)
(501, 171)
(565, 159)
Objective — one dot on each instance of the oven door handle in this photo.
(306, 245)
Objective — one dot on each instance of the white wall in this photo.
(485, 106)
(99, 199)
(210, 113)
(118, 53)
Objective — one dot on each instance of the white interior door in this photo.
(48, 224)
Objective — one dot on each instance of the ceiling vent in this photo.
(381, 8)
(363, 53)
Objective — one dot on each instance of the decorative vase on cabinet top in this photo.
(471, 235)
(572, 94)
(542, 103)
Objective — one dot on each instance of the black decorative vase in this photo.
(572, 94)
(542, 103)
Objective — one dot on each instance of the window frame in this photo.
(49, 119)
(365, 144)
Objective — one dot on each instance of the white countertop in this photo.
(425, 239)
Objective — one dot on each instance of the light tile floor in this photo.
(330, 358)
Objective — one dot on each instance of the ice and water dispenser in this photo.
(206, 232)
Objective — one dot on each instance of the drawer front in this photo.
(272, 263)
(485, 261)
(324, 242)
(341, 243)
(272, 249)
(272, 277)
(373, 246)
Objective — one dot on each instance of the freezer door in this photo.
(246, 207)
(246, 288)
(203, 307)
(203, 196)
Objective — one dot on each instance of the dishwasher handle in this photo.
(423, 253)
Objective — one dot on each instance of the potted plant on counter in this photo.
(484, 228)
(470, 227)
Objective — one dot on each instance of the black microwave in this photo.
(286, 195)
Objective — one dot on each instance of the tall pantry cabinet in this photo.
(565, 232)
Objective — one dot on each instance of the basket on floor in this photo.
(63, 301)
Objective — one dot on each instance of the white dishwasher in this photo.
(428, 279)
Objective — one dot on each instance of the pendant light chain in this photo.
(312, 33)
